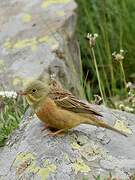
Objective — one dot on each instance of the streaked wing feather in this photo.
(69, 102)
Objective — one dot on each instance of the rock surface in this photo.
(37, 37)
(81, 153)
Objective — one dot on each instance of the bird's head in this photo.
(35, 92)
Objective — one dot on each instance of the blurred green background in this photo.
(113, 21)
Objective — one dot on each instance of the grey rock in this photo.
(82, 139)
(31, 154)
(38, 37)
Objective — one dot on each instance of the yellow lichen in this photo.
(30, 42)
(27, 162)
(23, 157)
(52, 41)
(20, 44)
(80, 166)
(91, 151)
(46, 162)
(44, 172)
(74, 145)
(66, 157)
(2, 64)
(16, 81)
(26, 43)
(60, 13)
(120, 125)
(26, 18)
(8, 44)
(43, 39)
(48, 3)
(33, 167)
(28, 80)
(1, 178)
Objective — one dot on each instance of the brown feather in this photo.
(66, 100)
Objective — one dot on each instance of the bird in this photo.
(59, 109)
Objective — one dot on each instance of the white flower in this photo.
(118, 56)
(53, 76)
(129, 84)
(89, 35)
(121, 51)
(114, 53)
(121, 106)
(95, 35)
(128, 109)
(9, 94)
(92, 39)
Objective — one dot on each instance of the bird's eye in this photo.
(34, 90)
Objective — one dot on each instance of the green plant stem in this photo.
(98, 76)
(123, 74)
(104, 27)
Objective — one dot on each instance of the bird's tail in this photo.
(100, 123)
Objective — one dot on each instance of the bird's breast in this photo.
(46, 111)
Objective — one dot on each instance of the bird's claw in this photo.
(46, 126)
(56, 133)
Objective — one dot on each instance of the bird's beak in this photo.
(22, 93)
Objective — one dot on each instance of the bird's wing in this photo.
(66, 100)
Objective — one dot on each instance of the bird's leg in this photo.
(56, 132)
(46, 126)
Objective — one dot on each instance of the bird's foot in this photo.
(58, 132)
(46, 126)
